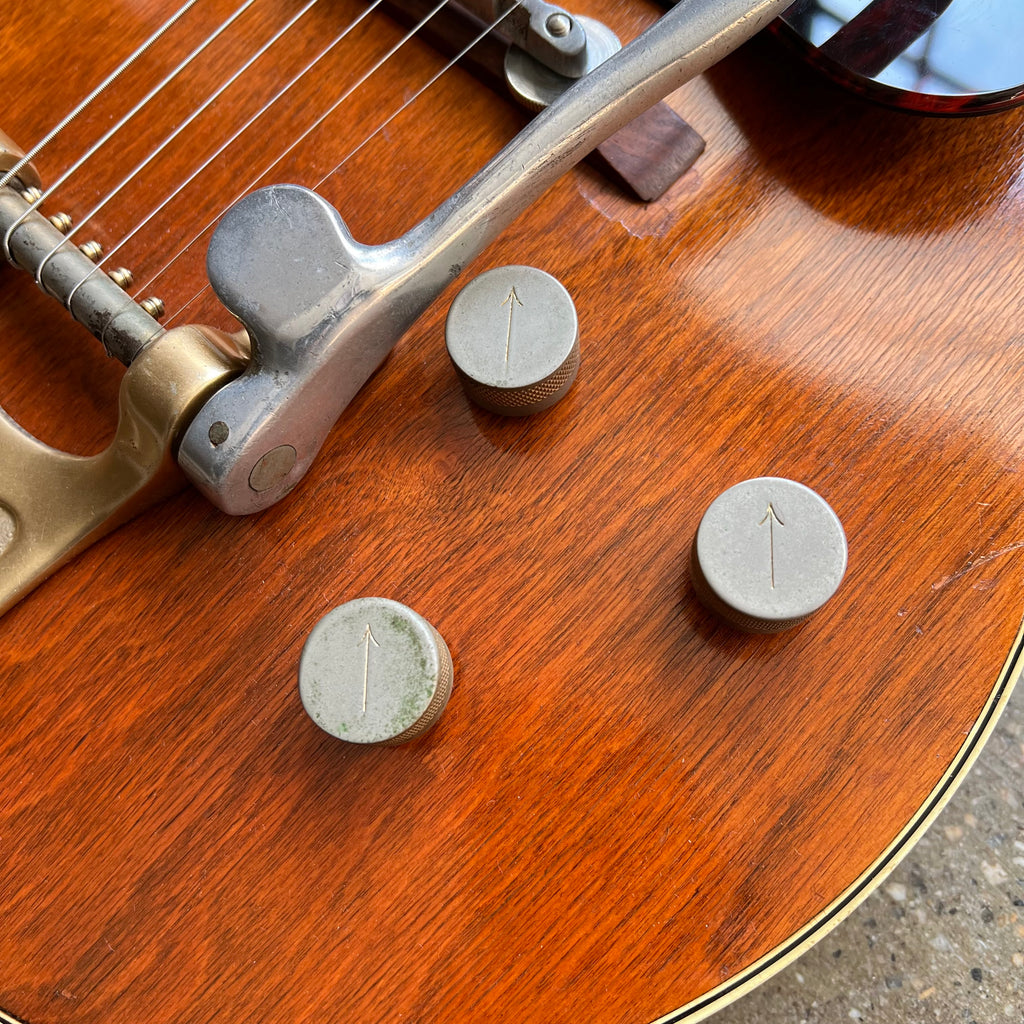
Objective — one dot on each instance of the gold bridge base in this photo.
(54, 504)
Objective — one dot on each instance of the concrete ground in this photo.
(942, 940)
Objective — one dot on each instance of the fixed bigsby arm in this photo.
(323, 311)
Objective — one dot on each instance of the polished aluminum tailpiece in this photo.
(323, 310)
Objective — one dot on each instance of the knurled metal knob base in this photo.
(374, 671)
(513, 338)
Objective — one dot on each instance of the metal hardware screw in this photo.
(62, 222)
(559, 25)
(32, 195)
(153, 306)
(8, 528)
(122, 277)
(533, 84)
(218, 432)
(272, 468)
(91, 250)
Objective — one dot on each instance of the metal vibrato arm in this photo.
(323, 310)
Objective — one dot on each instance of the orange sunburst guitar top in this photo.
(629, 811)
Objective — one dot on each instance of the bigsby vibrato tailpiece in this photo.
(321, 311)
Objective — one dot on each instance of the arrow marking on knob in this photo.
(771, 517)
(367, 639)
(512, 300)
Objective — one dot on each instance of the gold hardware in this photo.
(153, 306)
(32, 195)
(91, 250)
(53, 504)
(62, 222)
(10, 156)
(122, 277)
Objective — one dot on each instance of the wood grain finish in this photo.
(626, 804)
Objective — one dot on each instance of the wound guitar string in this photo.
(419, 92)
(120, 124)
(181, 127)
(226, 144)
(233, 78)
(7, 178)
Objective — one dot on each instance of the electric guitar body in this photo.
(629, 811)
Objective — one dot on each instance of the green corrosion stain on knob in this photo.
(373, 671)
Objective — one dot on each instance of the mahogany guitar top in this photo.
(628, 811)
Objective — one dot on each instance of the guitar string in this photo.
(206, 163)
(117, 127)
(170, 138)
(419, 92)
(262, 174)
(120, 69)
(479, 38)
